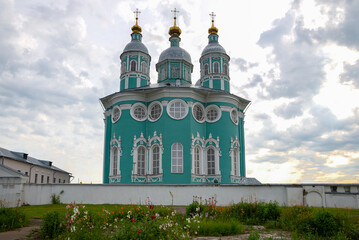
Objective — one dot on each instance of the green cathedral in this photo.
(174, 132)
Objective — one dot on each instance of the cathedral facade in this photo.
(174, 132)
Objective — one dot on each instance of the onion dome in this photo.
(174, 63)
(136, 44)
(213, 45)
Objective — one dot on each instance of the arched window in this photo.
(133, 65)
(205, 69)
(123, 67)
(144, 67)
(177, 158)
(155, 160)
(211, 167)
(225, 68)
(197, 160)
(141, 156)
(114, 161)
(235, 162)
(216, 67)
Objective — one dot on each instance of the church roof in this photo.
(175, 53)
(213, 47)
(135, 45)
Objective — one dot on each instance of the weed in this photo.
(55, 199)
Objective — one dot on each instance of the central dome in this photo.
(135, 45)
(175, 53)
(213, 47)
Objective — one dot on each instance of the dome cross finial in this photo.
(136, 14)
(136, 28)
(212, 29)
(175, 15)
(174, 31)
(212, 16)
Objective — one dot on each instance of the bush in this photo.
(253, 213)
(11, 218)
(211, 227)
(51, 225)
(55, 199)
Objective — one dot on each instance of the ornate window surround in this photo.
(148, 144)
(112, 116)
(203, 109)
(150, 108)
(115, 145)
(235, 147)
(132, 111)
(204, 145)
(133, 64)
(234, 111)
(219, 113)
(173, 102)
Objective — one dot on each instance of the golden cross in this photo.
(137, 13)
(175, 13)
(212, 15)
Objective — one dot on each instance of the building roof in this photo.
(134, 46)
(6, 171)
(213, 47)
(175, 53)
(24, 157)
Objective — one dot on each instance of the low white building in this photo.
(37, 171)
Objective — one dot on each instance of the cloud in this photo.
(350, 74)
(242, 64)
(290, 110)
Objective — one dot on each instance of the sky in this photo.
(296, 61)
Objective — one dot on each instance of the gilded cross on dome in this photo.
(137, 13)
(175, 14)
(213, 16)
(212, 29)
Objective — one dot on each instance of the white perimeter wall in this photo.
(298, 194)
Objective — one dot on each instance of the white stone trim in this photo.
(173, 102)
(219, 113)
(204, 112)
(235, 121)
(115, 145)
(150, 108)
(134, 106)
(112, 111)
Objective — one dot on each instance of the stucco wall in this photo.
(287, 195)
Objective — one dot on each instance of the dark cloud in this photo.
(254, 81)
(351, 74)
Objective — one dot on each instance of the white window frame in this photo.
(135, 66)
(204, 69)
(225, 69)
(214, 160)
(230, 115)
(219, 115)
(179, 163)
(150, 108)
(123, 67)
(144, 67)
(152, 142)
(152, 166)
(214, 67)
(203, 109)
(172, 102)
(113, 109)
(115, 145)
(132, 112)
(235, 146)
(213, 144)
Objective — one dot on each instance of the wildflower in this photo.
(133, 220)
(139, 231)
(153, 217)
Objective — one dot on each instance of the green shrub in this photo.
(55, 199)
(210, 227)
(51, 225)
(253, 213)
(11, 218)
(194, 208)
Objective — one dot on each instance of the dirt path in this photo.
(21, 233)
